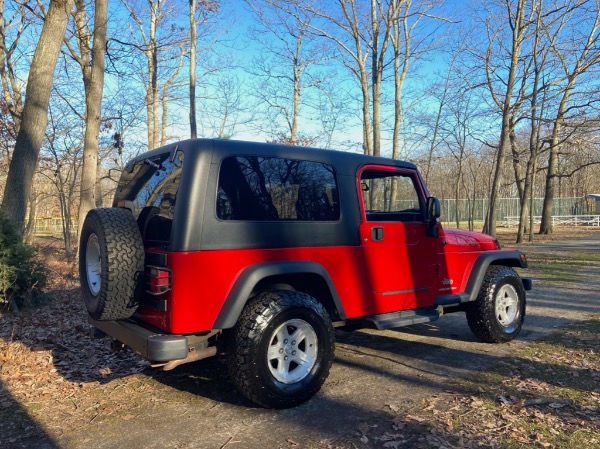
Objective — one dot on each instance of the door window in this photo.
(390, 196)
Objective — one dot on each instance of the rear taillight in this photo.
(158, 280)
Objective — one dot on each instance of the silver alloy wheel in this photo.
(507, 305)
(292, 351)
(93, 264)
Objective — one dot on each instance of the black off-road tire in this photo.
(499, 311)
(111, 287)
(267, 316)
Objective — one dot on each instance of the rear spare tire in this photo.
(111, 263)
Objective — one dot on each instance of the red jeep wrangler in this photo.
(259, 251)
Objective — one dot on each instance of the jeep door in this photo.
(401, 259)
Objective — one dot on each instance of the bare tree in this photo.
(92, 64)
(199, 14)
(362, 37)
(193, 45)
(35, 110)
(288, 70)
(542, 41)
(11, 86)
(518, 22)
(226, 106)
(577, 56)
(61, 164)
(161, 40)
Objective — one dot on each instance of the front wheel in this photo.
(281, 349)
(497, 314)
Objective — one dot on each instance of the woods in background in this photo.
(495, 99)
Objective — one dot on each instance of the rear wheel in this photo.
(498, 313)
(111, 263)
(281, 349)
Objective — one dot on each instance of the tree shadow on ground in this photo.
(17, 428)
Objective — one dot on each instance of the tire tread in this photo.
(122, 252)
(481, 312)
(245, 337)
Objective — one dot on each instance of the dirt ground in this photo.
(60, 389)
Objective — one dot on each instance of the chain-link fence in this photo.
(51, 226)
(476, 209)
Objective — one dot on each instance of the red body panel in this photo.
(404, 266)
(202, 280)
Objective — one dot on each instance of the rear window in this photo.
(151, 186)
(154, 183)
(275, 189)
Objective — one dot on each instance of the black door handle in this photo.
(377, 233)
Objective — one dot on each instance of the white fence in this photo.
(561, 220)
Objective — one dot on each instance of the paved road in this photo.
(372, 370)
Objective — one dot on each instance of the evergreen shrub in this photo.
(23, 274)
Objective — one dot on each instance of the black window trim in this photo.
(412, 174)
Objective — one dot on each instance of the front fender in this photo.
(507, 258)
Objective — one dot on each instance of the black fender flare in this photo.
(514, 258)
(507, 258)
(252, 275)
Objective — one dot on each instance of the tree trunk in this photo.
(164, 100)
(193, 43)
(297, 91)
(28, 232)
(364, 85)
(152, 88)
(531, 199)
(522, 185)
(14, 100)
(35, 111)
(459, 177)
(517, 41)
(93, 80)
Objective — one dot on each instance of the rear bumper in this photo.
(147, 343)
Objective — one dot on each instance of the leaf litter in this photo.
(546, 394)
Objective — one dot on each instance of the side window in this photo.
(390, 196)
(272, 189)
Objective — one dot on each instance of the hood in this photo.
(459, 240)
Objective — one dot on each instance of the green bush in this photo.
(22, 274)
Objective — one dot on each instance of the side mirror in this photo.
(433, 213)
(433, 208)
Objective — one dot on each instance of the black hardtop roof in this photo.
(244, 148)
